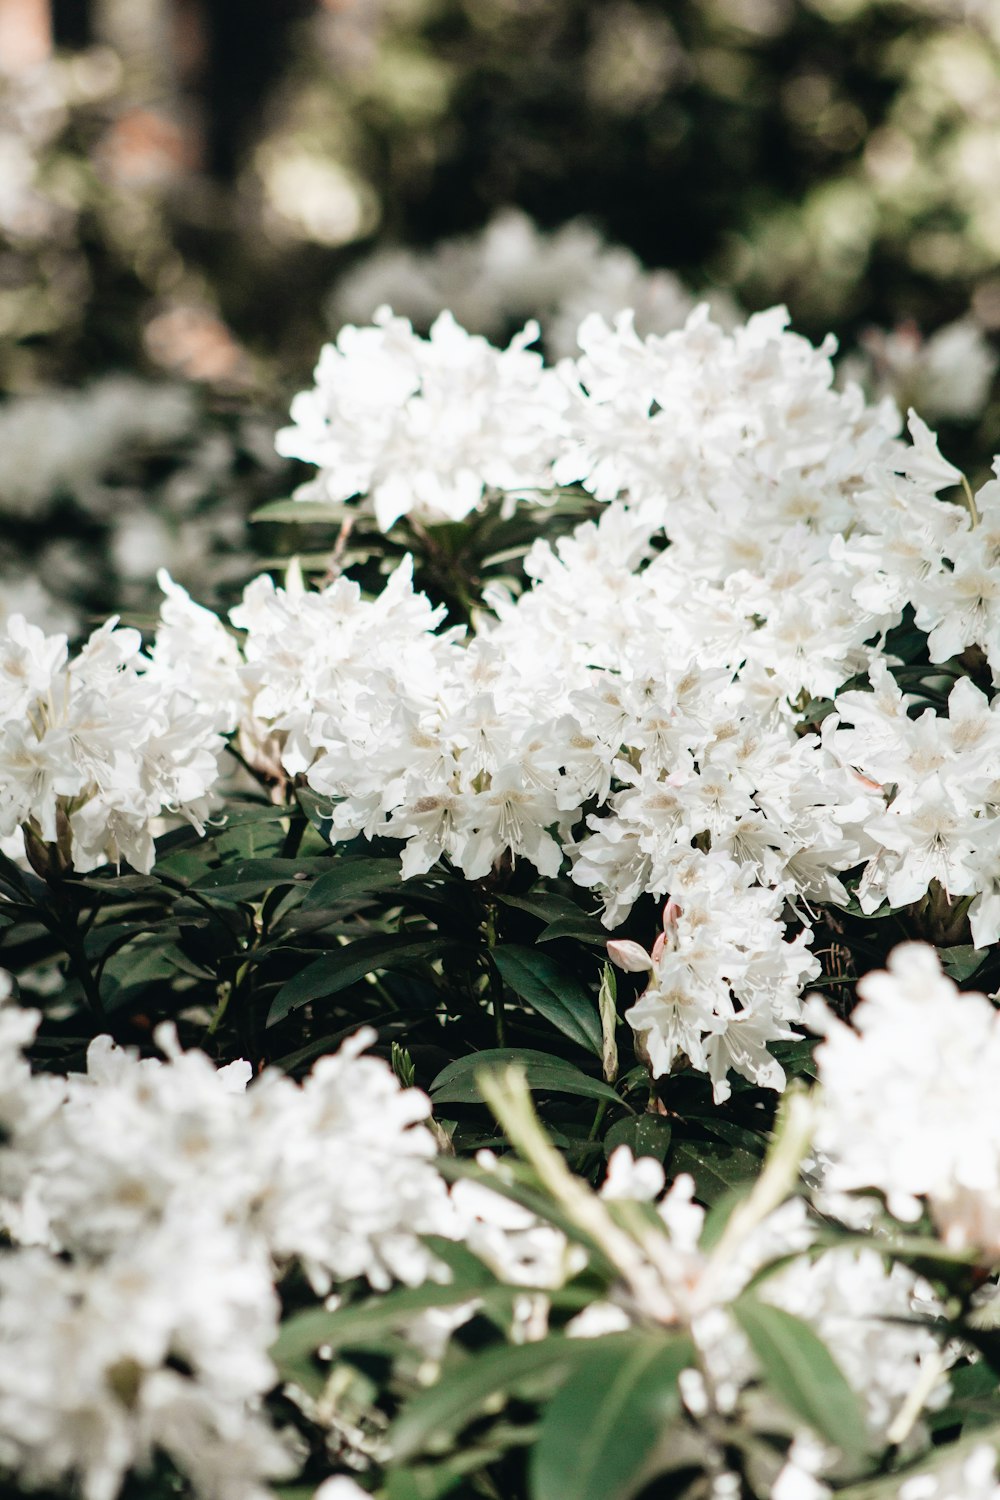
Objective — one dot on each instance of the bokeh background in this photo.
(194, 194)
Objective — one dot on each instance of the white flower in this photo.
(90, 1361)
(723, 981)
(908, 1094)
(100, 745)
(970, 1477)
(425, 426)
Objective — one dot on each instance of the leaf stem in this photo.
(495, 978)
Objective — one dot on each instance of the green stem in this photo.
(72, 939)
(495, 981)
(970, 501)
(600, 1112)
(294, 836)
(62, 918)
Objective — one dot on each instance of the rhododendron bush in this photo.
(506, 1009)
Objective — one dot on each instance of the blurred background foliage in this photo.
(185, 183)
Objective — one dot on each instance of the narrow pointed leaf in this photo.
(345, 966)
(460, 1395)
(552, 992)
(802, 1373)
(606, 1432)
(456, 1084)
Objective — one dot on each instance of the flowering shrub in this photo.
(495, 1030)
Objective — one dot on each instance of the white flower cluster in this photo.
(942, 820)
(722, 981)
(94, 749)
(653, 695)
(151, 1206)
(909, 1099)
(425, 426)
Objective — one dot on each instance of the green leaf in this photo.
(345, 966)
(606, 1432)
(716, 1166)
(425, 1482)
(355, 875)
(319, 810)
(300, 512)
(456, 1084)
(553, 993)
(129, 974)
(972, 1402)
(547, 906)
(750, 1142)
(574, 927)
(460, 1395)
(307, 1331)
(243, 880)
(644, 1135)
(961, 962)
(237, 815)
(801, 1371)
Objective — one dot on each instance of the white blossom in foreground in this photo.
(425, 426)
(866, 1313)
(94, 749)
(335, 1172)
(909, 1098)
(152, 1205)
(159, 1347)
(971, 1477)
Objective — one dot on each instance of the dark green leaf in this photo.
(456, 1084)
(459, 1396)
(345, 879)
(345, 966)
(350, 1326)
(128, 975)
(972, 1400)
(801, 1371)
(547, 906)
(749, 1141)
(317, 809)
(716, 1166)
(574, 927)
(552, 992)
(644, 1135)
(118, 887)
(432, 1481)
(606, 1432)
(962, 961)
(244, 880)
